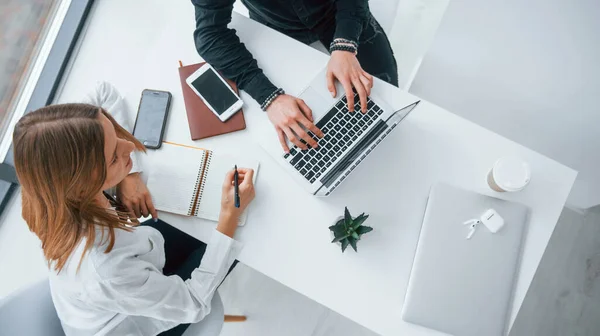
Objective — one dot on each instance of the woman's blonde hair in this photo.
(59, 158)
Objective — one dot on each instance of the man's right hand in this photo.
(287, 113)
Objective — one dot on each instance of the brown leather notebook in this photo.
(203, 122)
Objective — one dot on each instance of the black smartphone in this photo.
(152, 117)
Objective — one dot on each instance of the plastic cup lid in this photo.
(511, 174)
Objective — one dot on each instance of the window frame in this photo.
(44, 80)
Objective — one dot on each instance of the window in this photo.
(37, 39)
(23, 27)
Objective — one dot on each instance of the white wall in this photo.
(529, 70)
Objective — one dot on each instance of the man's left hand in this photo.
(134, 195)
(344, 67)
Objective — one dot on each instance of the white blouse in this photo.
(124, 292)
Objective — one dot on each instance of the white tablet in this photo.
(218, 96)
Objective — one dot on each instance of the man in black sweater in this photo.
(358, 46)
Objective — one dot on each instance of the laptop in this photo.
(348, 137)
(460, 286)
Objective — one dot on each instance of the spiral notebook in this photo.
(190, 179)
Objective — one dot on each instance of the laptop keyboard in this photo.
(340, 129)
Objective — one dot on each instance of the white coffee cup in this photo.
(509, 174)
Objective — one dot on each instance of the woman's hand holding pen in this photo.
(228, 219)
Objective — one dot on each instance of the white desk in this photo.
(286, 236)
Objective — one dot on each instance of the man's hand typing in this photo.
(344, 67)
(289, 115)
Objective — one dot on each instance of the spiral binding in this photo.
(367, 152)
(201, 187)
(196, 185)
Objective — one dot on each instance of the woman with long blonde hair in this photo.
(82, 194)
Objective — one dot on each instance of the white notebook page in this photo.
(220, 164)
(171, 182)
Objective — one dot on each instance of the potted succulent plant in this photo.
(347, 230)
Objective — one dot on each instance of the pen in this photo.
(237, 188)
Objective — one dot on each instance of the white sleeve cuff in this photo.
(221, 252)
(136, 167)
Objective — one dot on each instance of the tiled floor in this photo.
(564, 298)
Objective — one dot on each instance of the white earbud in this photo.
(473, 223)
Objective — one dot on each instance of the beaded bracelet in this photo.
(343, 40)
(342, 47)
(342, 44)
(271, 98)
